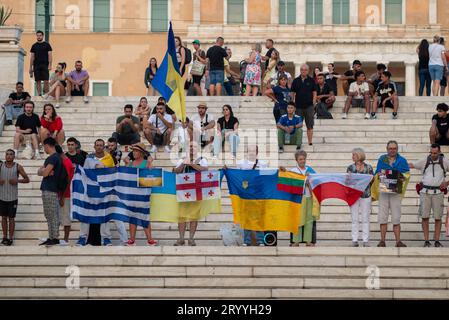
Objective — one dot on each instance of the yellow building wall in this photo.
(130, 16)
(370, 11)
(22, 12)
(417, 12)
(259, 11)
(443, 13)
(212, 12)
(182, 15)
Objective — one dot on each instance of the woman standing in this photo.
(363, 206)
(150, 73)
(180, 55)
(227, 127)
(423, 69)
(437, 64)
(51, 125)
(253, 72)
(272, 66)
(139, 162)
(57, 83)
(199, 67)
(306, 233)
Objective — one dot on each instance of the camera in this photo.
(270, 238)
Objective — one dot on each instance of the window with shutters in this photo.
(314, 11)
(236, 12)
(340, 12)
(287, 11)
(101, 16)
(39, 21)
(159, 15)
(100, 88)
(393, 11)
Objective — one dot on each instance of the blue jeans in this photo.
(247, 237)
(424, 80)
(228, 87)
(13, 111)
(233, 139)
(436, 71)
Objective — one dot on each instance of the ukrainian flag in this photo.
(168, 81)
(257, 203)
(165, 207)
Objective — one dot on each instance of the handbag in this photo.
(197, 68)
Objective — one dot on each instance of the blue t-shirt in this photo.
(286, 122)
(50, 183)
(283, 96)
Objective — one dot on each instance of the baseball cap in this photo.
(196, 42)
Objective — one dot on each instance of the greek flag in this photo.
(101, 195)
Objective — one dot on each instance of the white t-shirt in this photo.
(274, 78)
(160, 124)
(245, 164)
(198, 122)
(435, 50)
(359, 89)
(202, 162)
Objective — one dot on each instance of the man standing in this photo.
(14, 105)
(51, 172)
(40, 62)
(78, 83)
(9, 193)
(274, 80)
(215, 55)
(431, 196)
(269, 45)
(28, 124)
(304, 94)
(127, 127)
(393, 172)
(289, 129)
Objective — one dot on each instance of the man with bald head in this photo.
(304, 95)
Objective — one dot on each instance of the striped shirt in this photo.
(9, 192)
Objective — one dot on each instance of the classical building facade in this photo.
(116, 38)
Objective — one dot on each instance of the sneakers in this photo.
(381, 244)
(57, 106)
(344, 116)
(355, 244)
(81, 242)
(179, 243)
(427, 244)
(394, 115)
(281, 150)
(63, 243)
(45, 96)
(107, 242)
(86, 99)
(37, 155)
(192, 243)
(50, 242)
(10, 242)
(437, 244)
(9, 122)
(153, 149)
(367, 116)
(5, 242)
(68, 99)
(167, 149)
(152, 242)
(373, 116)
(46, 242)
(400, 244)
(131, 243)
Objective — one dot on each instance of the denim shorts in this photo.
(216, 76)
(436, 71)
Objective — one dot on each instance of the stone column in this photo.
(433, 12)
(410, 79)
(298, 68)
(327, 12)
(324, 67)
(196, 12)
(353, 11)
(301, 12)
(274, 12)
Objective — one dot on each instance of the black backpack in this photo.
(322, 112)
(188, 57)
(63, 179)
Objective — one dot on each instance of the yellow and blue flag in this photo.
(257, 203)
(166, 208)
(168, 81)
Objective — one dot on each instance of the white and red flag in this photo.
(344, 186)
(197, 186)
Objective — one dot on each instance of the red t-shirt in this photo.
(53, 125)
(68, 165)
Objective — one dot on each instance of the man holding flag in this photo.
(168, 81)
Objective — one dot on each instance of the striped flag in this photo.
(197, 186)
(344, 186)
(101, 195)
(291, 182)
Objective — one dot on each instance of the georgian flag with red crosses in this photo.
(197, 186)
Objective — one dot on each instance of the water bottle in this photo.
(287, 138)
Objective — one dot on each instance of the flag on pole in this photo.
(197, 186)
(101, 195)
(291, 182)
(344, 186)
(168, 80)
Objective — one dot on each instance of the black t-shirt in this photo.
(40, 50)
(385, 91)
(168, 110)
(331, 81)
(268, 55)
(227, 124)
(423, 62)
(25, 122)
(21, 97)
(303, 90)
(216, 55)
(50, 183)
(77, 159)
(324, 91)
(350, 73)
(442, 124)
